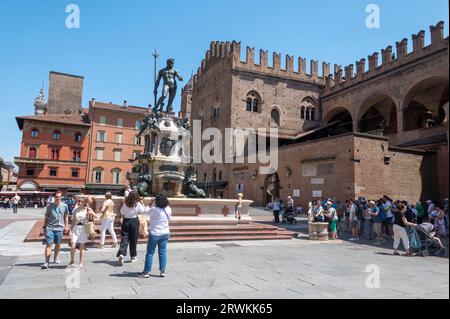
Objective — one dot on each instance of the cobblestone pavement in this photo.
(252, 269)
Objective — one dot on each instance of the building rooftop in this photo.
(70, 119)
(118, 108)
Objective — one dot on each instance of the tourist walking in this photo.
(107, 217)
(276, 211)
(78, 234)
(400, 234)
(56, 223)
(160, 216)
(130, 211)
(15, 203)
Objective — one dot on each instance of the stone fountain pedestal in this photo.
(192, 209)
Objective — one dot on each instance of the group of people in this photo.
(373, 219)
(56, 224)
(278, 208)
(393, 219)
(13, 202)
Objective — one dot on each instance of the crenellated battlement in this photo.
(231, 52)
(337, 82)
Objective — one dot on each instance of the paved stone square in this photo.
(297, 268)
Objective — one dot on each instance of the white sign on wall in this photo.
(296, 193)
(317, 181)
(317, 194)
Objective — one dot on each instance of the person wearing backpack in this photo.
(160, 216)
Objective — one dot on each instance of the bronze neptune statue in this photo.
(169, 75)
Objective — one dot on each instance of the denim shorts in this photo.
(53, 236)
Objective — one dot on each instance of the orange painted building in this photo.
(112, 145)
(54, 152)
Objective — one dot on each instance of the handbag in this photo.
(90, 230)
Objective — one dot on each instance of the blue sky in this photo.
(112, 49)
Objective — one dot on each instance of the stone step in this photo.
(215, 232)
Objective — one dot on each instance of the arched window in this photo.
(308, 109)
(78, 137)
(56, 135)
(275, 117)
(214, 175)
(220, 175)
(34, 133)
(253, 102)
(116, 176)
(32, 152)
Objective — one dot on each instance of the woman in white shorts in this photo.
(108, 217)
(78, 234)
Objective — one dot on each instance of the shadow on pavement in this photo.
(38, 265)
(112, 263)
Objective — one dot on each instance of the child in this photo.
(238, 207)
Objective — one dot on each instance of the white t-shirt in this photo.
(132, 212)
(159, 220)
(353, 210)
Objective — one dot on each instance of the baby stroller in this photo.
(427, 243)
(289, 217)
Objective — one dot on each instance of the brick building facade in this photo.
(396, 112)
(73, 149)
(113, 143)
(54, 152)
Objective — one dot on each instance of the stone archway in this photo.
(423, 105)
(344, 120)
(378, 115)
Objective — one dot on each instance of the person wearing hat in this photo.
(333, 217)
